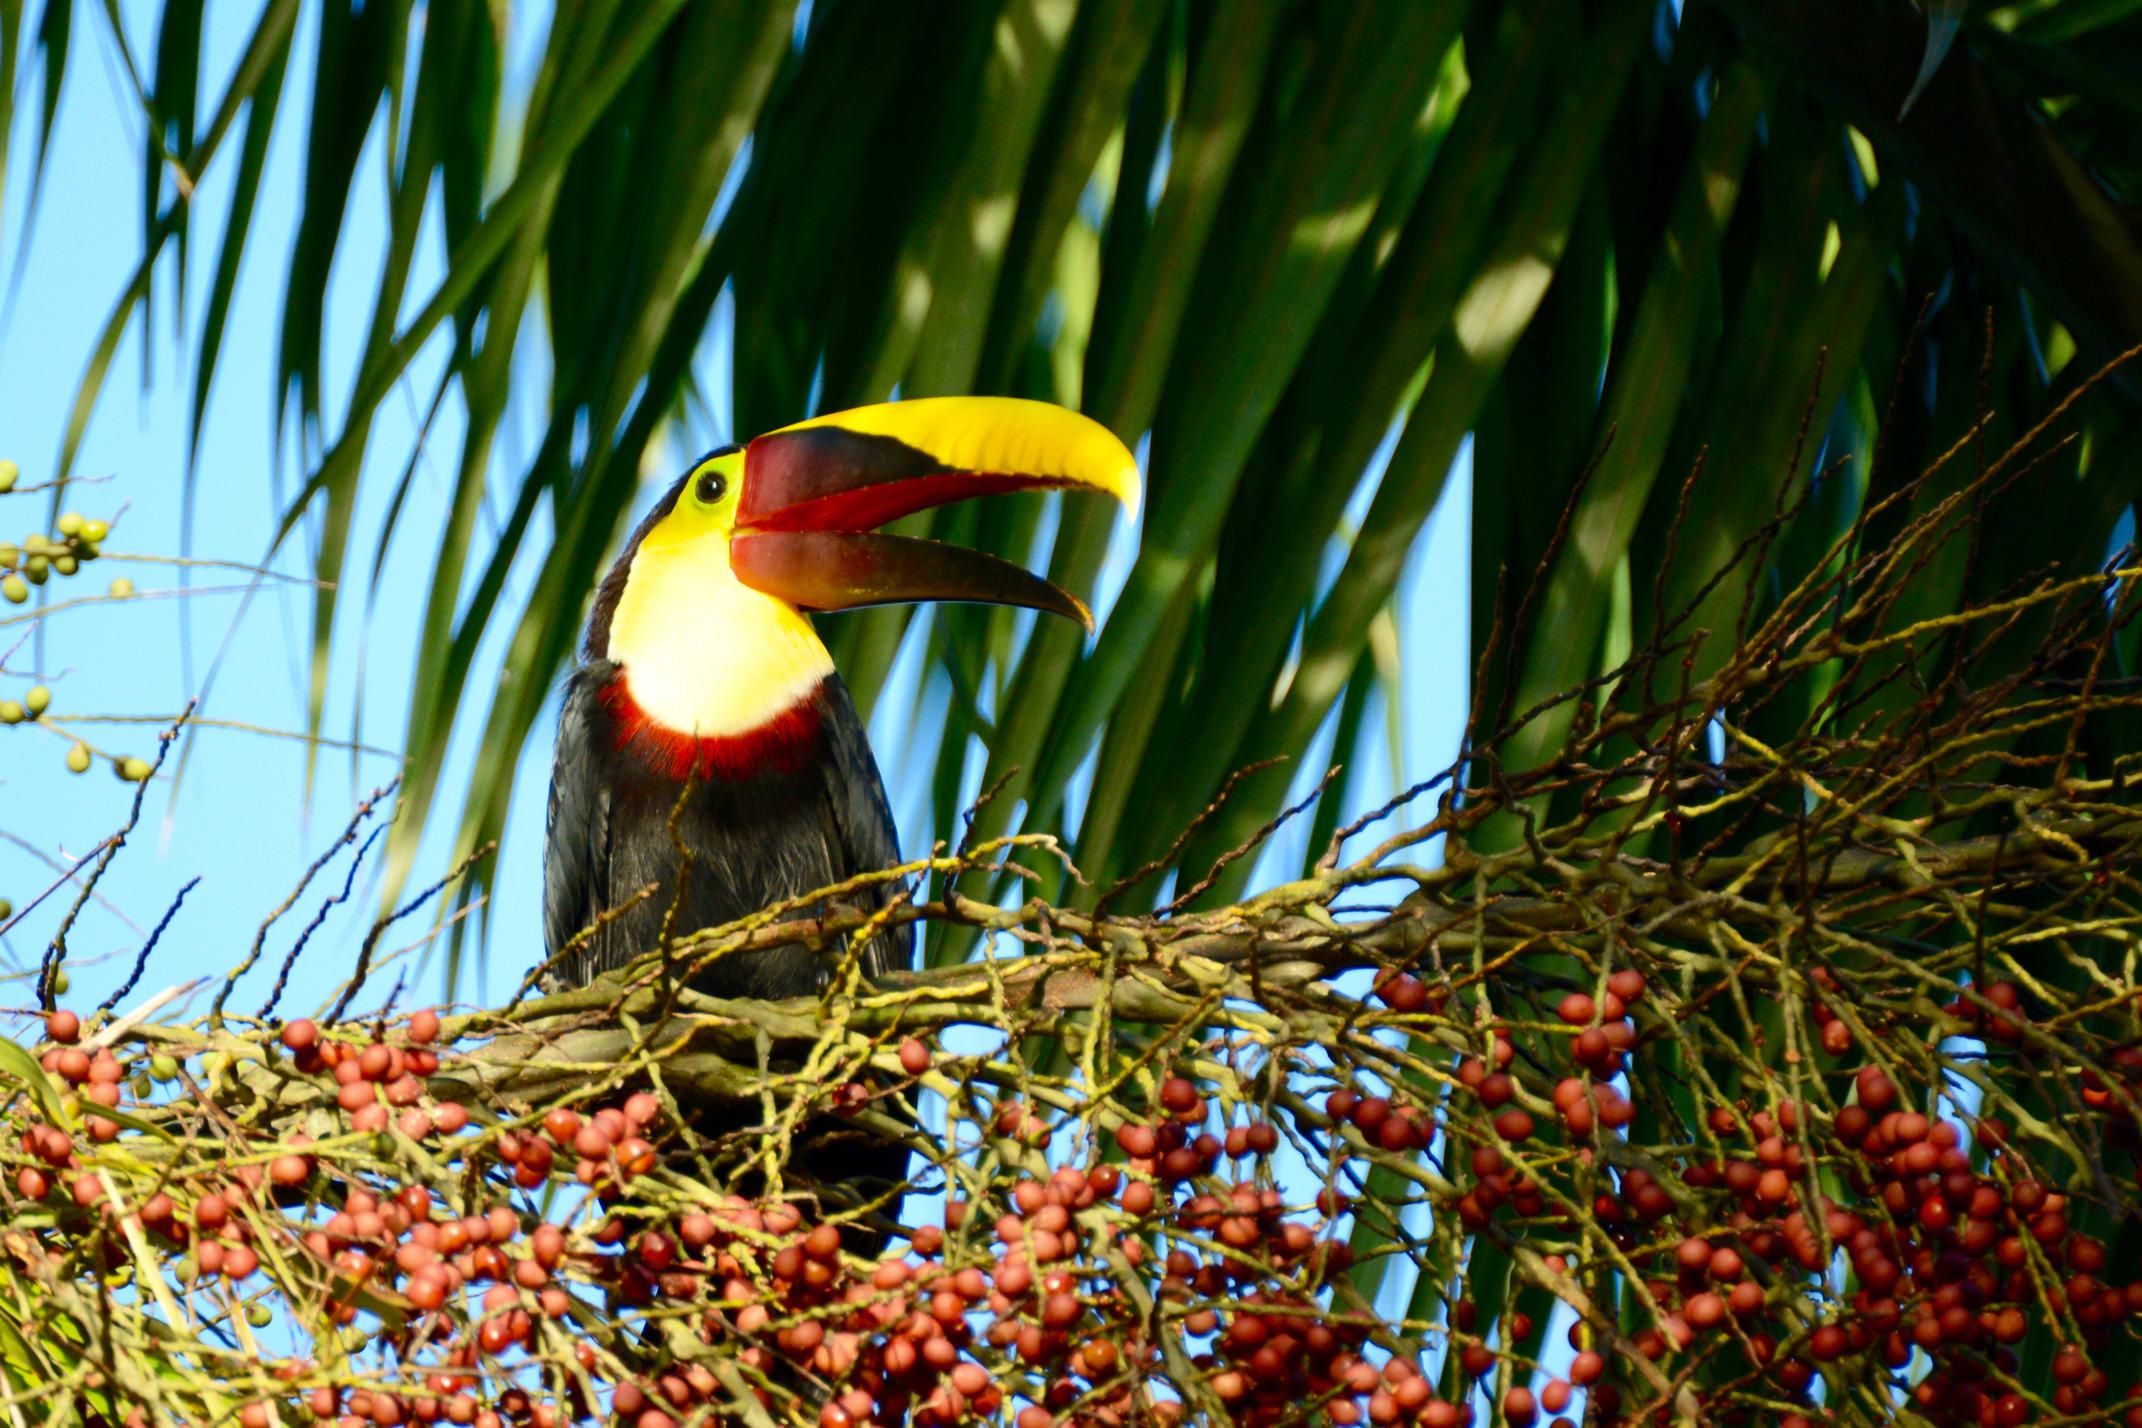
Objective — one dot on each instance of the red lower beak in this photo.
(845, 570)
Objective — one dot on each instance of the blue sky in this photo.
(241, 819)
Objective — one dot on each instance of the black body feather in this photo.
(751, 842)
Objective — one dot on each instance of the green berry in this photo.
(66, 564)
(9, 554)
(38, 568)
(37, 701)
(259, 1315)
(14, 588)
(163, 1067)
(70, 524)
(9, 472)
(60, 983)
(95, 531)
(122, 589)
(132, 770)
(7, 909)
(11, 712)
(78, 759)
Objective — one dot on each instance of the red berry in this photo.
(1403, 992)
(1876, 1091)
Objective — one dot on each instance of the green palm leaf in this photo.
(1292, 247)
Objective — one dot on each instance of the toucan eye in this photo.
(710, 487)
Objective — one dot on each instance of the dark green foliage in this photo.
(1645, 263)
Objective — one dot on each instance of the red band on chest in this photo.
(782, 745)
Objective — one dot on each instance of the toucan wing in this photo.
(862, 819)
(576, 830)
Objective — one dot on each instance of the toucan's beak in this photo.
(815, 493)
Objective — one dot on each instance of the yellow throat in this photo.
(703, 653)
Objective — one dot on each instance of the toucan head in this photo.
(715, 583)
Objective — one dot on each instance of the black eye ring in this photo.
(710, 487)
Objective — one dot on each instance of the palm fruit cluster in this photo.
(36, 559)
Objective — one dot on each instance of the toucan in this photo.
(707, 748)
